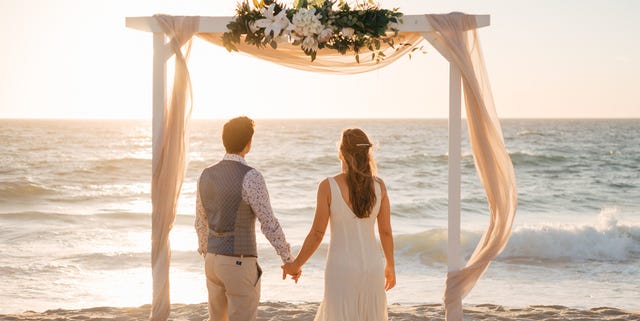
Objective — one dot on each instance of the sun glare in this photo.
(89, 65)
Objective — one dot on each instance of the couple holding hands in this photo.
(231, 195)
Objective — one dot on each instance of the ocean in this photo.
(75, 210)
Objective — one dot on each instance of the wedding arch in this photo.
(453, 35)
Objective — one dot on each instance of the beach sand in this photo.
(280, 311)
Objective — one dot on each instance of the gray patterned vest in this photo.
(231, 220)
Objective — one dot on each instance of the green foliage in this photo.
(345, 29)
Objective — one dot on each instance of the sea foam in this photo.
(605, 240)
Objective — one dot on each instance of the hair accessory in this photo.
(360, 145)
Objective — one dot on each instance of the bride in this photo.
(357, 272)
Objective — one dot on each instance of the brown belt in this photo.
(238, 255)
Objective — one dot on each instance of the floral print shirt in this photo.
(254, 192)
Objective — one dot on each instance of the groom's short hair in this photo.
(237, 133)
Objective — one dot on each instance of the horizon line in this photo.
(323, 118)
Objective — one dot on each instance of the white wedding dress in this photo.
(354, 276)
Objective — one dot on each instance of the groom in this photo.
(229, 198)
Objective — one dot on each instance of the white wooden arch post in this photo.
(412, 23)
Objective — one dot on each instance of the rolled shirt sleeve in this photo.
(254, 192)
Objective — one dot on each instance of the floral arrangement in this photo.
(315, 24)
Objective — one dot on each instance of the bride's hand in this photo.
(291, 269)
(390, 277)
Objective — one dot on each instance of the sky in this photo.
(545, 58)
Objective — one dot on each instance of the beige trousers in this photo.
(234, 287)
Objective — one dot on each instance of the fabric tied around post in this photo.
(456, 39)
(169, 171)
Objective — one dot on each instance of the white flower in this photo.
(271, 23)
(325, 35)
(253, 27)
(310, 43)
(306, 22)
(347, 32)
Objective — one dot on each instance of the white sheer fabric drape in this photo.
(327, 60)
(455, 38)
(170, 166)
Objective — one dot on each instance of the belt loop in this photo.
(242, 256)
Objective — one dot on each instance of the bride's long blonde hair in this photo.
(360, 169)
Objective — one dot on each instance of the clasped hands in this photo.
(291, 269)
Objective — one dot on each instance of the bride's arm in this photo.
(386, 238)
(314, 238)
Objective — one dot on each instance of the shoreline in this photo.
(280, 311)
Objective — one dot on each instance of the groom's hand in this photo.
(290, 269)
(296, 276)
